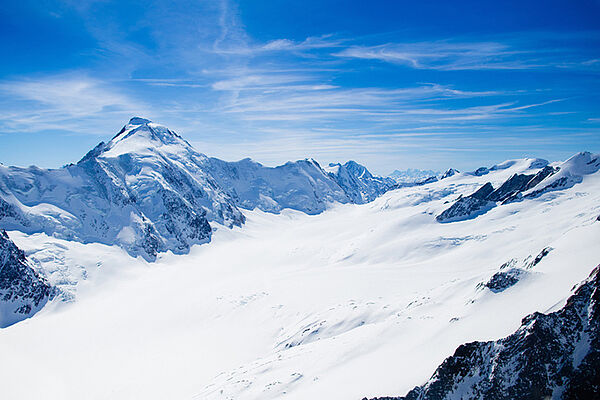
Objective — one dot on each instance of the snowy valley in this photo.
(150, 270)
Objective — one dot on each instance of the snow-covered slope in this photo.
(554, 355)
(360, 300)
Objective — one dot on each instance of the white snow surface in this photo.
(360, 300)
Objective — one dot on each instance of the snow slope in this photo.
(554, 355)
(358, 301)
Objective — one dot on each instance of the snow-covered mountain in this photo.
(300, 185)
(145, 190)
(358, 183)
(449, 172)
(148, 191)
(540, 179)
(412, 175)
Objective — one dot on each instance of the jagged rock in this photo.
(425, 181)
(23, 291)
(510, 274)
(519, 186)
(540, 176)
(481, 171)
(554, 355)
(519, 183)
(568, 174)
(510, 187)
(449, 172)
(539, 257)
(502, 280)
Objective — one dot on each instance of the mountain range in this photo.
(171, 274)
(148, 191)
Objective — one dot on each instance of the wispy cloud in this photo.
(62, 101)
(193, 66)
(450, 55)
(292, 98)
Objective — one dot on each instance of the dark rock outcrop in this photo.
(545, 251)
(425, 181)
(510, 187)
(554, 355)
(487, 197)
(22, 290)
(466, 207)
(449, 172)
(502, 280)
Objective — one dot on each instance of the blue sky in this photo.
(391, 84)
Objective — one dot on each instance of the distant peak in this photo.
(352, 163)
(139, 121)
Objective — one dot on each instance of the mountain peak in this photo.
(142, 136)
(139, 121)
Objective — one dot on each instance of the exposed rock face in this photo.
(545, 251)
(449, 172)
(502, 280)
(481, 171)
(425, 181)
(568, 174)
(554, 355)
(23, 291)
(511, 187)
(467, 207)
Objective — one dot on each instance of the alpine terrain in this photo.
(150, 270)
